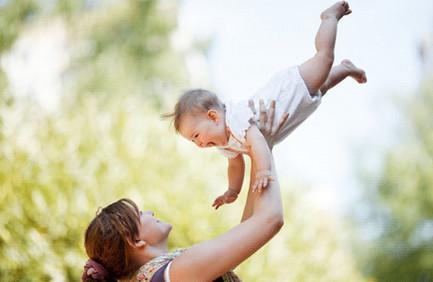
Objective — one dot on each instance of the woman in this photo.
(126, 244)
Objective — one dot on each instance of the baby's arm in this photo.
(235, 171)
(261, 155)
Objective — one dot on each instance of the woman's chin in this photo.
(167, 227)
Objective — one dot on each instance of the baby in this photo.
(201, 117)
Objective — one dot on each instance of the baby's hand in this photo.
(228, 197)
(263, 177)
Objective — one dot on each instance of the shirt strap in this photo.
(167, 272)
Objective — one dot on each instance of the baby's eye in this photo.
(196, 135)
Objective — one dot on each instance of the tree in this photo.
(402, 200)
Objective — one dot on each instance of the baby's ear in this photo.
(213, 115)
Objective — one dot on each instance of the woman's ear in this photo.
(213, 115)
(136, 243)
(140, 243)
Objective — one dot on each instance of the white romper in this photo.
(291, 95)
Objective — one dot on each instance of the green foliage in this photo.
(13, 16)
(127, 49)
(16, 15)
(403, 200)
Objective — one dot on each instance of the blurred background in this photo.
(83, 84)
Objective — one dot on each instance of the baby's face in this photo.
(204, 129)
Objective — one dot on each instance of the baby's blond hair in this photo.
(194, 101)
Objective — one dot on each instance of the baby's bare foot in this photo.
(354, 72)
(338, 10)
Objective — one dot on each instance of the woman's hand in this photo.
(266, 120)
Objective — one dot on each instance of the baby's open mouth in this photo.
(210, 144)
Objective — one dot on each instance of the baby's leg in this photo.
(338, 73)
(315, 71)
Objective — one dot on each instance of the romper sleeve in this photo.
(239, 118)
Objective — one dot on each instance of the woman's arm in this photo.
(260, 155)
(268, 129)
(208, 260)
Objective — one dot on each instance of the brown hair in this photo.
(194, 101)
(108, 234)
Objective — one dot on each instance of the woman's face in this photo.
(152, 230)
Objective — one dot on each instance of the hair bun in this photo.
(94, 271)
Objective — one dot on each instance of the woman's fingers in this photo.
(252, 106)
(283, 120)
(266, 117)
(263, 114)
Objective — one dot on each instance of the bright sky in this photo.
(253, 39)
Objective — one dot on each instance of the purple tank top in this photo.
(159, 275)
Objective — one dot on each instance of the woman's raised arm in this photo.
(209, 260)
